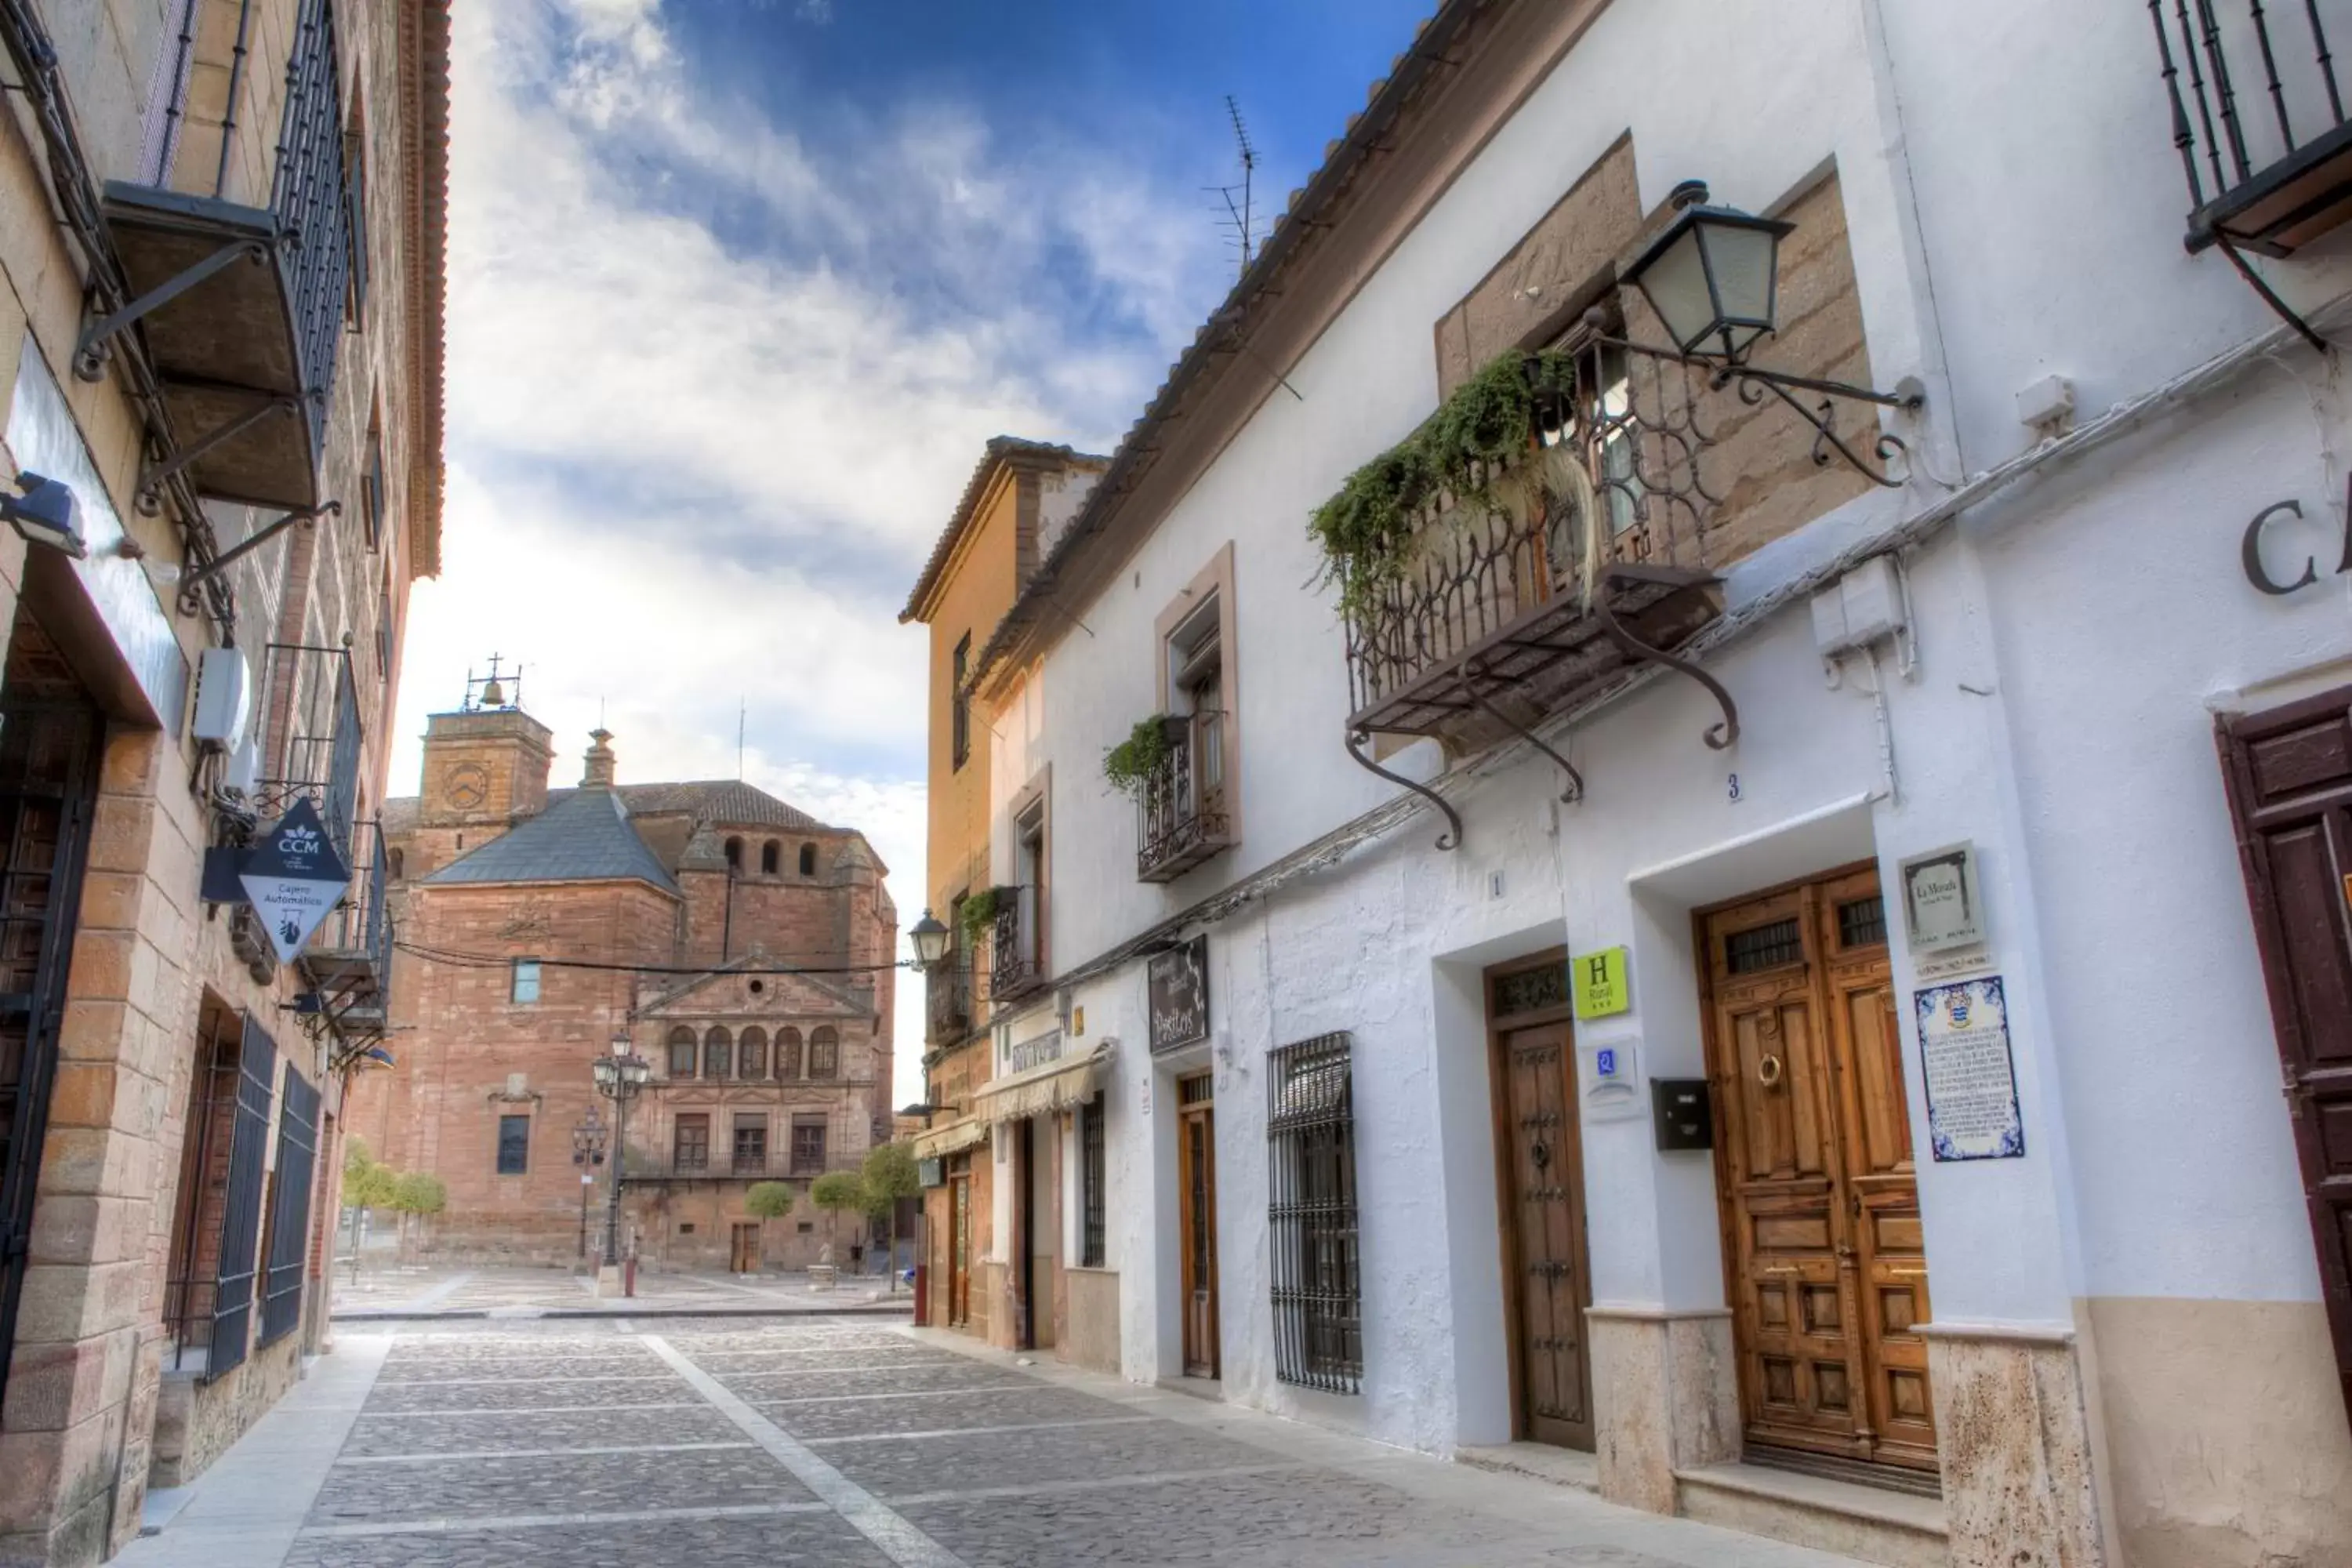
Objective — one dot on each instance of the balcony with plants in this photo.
(1171, 766)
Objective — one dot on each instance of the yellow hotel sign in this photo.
(1600, 984)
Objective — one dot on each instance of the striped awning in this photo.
(952, 1138)
(1056, 1086)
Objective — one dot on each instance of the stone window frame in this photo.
(690, 1140)
(753, 1162)
(717, 1053)
(826, 1067)
(808, 859)
(1215, 580)
(772, 858)
(808, 1150)
(682, 1038)
(520, 1152)
(798, 1058)
(750, 1038)
(734, 855)
(524, 974)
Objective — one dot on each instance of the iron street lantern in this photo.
(931, 940)
(619, 1076)
(1711, 275)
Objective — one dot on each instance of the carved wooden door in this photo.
(2290, 780)
(1196, 1147)
(1542, 1161)
(1826, 1273)
(960, 1250)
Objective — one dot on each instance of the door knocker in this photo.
(1542, 1155)
(1768, 1071)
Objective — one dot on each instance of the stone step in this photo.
(1538, 1461)
(1893, 1528)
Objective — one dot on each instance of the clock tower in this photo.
(485, 764)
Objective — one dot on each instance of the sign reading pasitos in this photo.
(294, 878)
(1177, 989)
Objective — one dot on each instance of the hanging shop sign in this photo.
(1601, 988)
(1941, 906)
(2258, 564)
(1970, 1078)
(294, 878)
(1176, 984)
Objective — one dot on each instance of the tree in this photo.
(889, 1175)
(836, 1191)
(767, 1201)
(416, 1195)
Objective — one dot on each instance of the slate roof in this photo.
(728, 801)
(584, 838)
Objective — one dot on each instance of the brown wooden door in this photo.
(744, 1247)
(1539, 1173)
(960, 1250)
(2290, 782)
(1196, 1176)
(1825, 1267)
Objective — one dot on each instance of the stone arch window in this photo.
(788, 1053)
(771, 857)
(751, 1053)
(718, 1054)
(681, 1052)
(397, 860)
(824, 1053)
(734, 855)
(808, 859)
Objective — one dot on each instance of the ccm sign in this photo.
(2258, 571)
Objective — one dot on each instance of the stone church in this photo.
(740, 945)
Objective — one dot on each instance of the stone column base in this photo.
(1665, 1394)
(608, 1280)
(2014, 1437)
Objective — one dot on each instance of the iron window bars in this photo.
(1318, 1340)
(1092, 1205)
(234, 1281)
(290, 1209)
(314, 734)
(1181, 813)
(1013, 941)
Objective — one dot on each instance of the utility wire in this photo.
(501, 961)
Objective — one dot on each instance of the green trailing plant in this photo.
(979, 911)
(1368, 530)
(1129, 766)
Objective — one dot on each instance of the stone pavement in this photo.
(839, 1443)
(400, 1294)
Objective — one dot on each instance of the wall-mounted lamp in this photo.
(930, 939)
(1713, 275)
(44, 514)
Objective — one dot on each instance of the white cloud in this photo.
(712, 393)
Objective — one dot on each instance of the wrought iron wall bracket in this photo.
(1719, 736)
(90, 353)
(1358, 738)
(150, 497)
(1472, 674)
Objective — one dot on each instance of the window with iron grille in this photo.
(1318, 1337)
(693, 1143)
(751, 1146)
(1765, 947)
(1861, 923)
(290, 1209)
(808, 1148)
(1091, 1161)
(514, 1145)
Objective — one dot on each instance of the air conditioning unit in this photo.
(224, 698)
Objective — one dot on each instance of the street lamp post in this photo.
(619, 1077)
(587, 1152)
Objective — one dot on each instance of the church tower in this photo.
(486, 769)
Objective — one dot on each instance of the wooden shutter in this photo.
(241, 1212)
(290, 1208)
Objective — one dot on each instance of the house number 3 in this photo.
(1733, 788)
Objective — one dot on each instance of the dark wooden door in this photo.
(1196, 1147)
(743, 1249)
(1539, 1169)
(2289, 772)
(960, 1250)
(1825, 1267)
(50, 742)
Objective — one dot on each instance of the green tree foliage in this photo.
(768, 1200)
(419, 1194)
(889, 1175)
(834, 1192)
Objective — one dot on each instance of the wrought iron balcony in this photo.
(350, 957)
(1181, 815)
(240, 307)
(2258, 119)
(1012, 966)
(946, 1001)
(313, 735)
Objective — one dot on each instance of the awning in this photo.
(1057, 1085)
(952, 1138)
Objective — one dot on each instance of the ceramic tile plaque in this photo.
(1971, 1077)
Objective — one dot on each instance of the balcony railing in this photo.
(1180, 815)
(2258, 119)
(240, 306)
(351, 954)
(1012, 942)
(946, 1002)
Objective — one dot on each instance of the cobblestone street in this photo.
(842, 1443)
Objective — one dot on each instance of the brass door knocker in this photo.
(1768, 1071)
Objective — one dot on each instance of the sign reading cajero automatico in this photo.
(294, 878)
(1177, 991)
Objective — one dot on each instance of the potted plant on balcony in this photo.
(1130, 766)
(979, 914)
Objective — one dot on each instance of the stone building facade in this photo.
(228, 490)
(742, 947)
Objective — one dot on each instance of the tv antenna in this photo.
(1237, 198)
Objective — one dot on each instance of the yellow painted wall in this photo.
(972, 595)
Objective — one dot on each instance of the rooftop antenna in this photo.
(742, 710)
(1237, 198)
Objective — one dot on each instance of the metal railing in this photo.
(1180, 817)
(2257, 117)
(315, 735)
(315, 200)
(361, 927)
(1013, 941)
(947, 1000)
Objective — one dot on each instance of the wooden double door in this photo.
(1827, 1274)
(744, 1247)
(1539, 1190)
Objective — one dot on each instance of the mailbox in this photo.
(1685, 1114)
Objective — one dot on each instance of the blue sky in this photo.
(737, 289)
